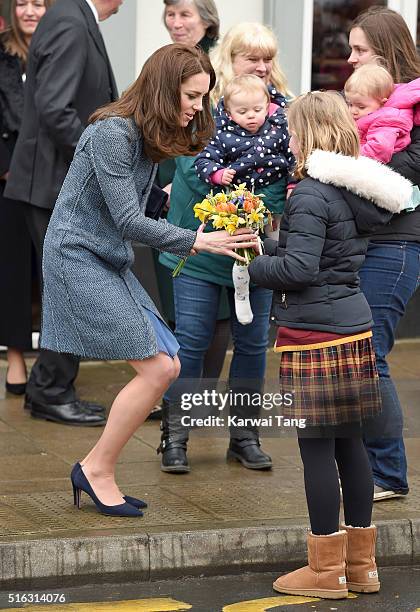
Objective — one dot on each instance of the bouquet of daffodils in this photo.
(230, 211)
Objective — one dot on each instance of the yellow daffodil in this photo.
(229, 210)
(255, 217)
(221, 197)
(218, 222)
(231, 228)
(203, 210)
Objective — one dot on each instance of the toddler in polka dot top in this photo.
(251, 146)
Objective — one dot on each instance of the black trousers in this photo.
(53, 374)
(15, 276)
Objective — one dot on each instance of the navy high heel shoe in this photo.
(133, 501)
(137, 503)
(80, 483)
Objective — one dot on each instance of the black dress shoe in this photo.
(90, 406)
(249, 453)
(71, 413)
(16, 388)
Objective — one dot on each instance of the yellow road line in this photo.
(262, 605)
(157, 604)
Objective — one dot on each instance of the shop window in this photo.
(332, 19)
(418, 27)
(4, 14)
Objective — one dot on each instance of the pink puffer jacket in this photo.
(387, 130)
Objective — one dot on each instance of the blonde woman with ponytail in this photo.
(247, 48)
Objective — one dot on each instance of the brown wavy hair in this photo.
(154, 101)
(321, 120)
(389, 37)
(13, 39)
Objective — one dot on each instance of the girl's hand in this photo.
(222, 243)
(259, 249)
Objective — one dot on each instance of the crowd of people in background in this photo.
(82, 174)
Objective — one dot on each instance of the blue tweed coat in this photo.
(92, 302)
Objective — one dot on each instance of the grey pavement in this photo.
(245, 592)
(219, 518)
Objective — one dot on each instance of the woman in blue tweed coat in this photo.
(93, 306)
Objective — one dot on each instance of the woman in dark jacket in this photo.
(15, 243)
(327, 363)
(391, 272)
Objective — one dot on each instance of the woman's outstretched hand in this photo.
(222, 243)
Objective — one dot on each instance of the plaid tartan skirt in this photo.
(331, 385)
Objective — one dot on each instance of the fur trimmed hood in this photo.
(362, 176)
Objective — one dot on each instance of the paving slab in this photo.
(219, 517)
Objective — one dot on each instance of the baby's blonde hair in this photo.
(245, 38)
(247, 83)
(370, 80)
(321, 120)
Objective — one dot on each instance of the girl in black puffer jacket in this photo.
(324, 335)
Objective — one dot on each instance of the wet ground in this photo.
(36, 458)
(400, 592)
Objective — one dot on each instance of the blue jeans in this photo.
(389, 278)
(196, 306)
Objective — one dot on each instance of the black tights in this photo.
(319, 456)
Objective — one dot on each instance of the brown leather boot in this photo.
(361, 572)
(324, 576)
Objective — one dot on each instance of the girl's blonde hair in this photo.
(370, 80)
(321, 120)
(246, 83)
(246, 38)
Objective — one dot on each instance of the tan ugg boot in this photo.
(325, 574)
(361, 572)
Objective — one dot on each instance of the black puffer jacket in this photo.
(404, 226)
(11, 105)
(323, 241)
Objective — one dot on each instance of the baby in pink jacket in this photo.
(384, 113)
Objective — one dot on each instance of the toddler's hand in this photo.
(228, 176)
